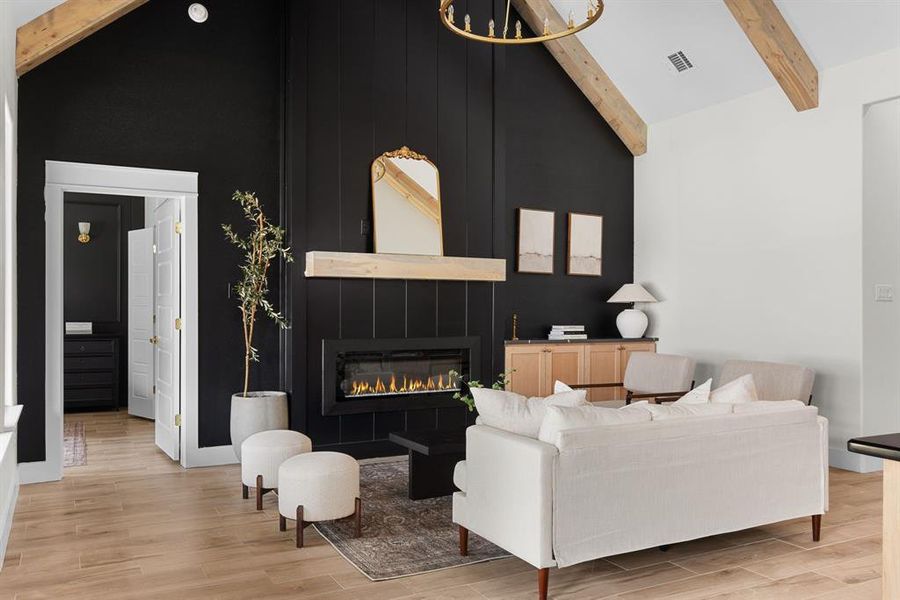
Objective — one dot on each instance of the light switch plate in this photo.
(884, 293)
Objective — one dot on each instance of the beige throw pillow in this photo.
(698, 395)
(517, 414)
(741, 390)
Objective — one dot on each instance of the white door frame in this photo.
(62, 177)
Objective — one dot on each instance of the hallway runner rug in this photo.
(75, 444)
(402, 537)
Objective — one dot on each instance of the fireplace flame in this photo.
(408, 385)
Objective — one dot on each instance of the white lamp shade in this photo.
(632, 292)
(84, 228)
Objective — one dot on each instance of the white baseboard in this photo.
(841, 458)
(37, 472)
(212, 456)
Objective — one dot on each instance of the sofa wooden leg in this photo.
(245, 491)
(357, 516)
(300, 526)
(816, 527)
(282, 523)
(259, 492)
(543, 582)
(463, 541)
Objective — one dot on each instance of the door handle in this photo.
(154, 340)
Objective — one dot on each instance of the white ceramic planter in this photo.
(258, 411)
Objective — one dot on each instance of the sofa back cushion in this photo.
(517, 414)
(661, 412)
(561, 418)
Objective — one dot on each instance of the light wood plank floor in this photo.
(131, 524)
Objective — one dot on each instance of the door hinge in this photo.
(178, 420)
(178, 324)
(179, 227)
(154, 390)
(154, 248)
(154, 318)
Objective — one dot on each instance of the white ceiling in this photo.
(26, 10)
(633, 38)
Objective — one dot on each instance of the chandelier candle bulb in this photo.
(468, 24)
(546, 25)
(491, 28)
(450, 14)
(518, 30)
(571, 19)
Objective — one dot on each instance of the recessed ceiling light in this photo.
(198, 13)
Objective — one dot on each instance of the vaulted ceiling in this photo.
(632, 40)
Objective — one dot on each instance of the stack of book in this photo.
(567, 332)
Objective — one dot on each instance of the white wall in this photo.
(8, 100)
(9, 480)
(881, 266)
(748, 225)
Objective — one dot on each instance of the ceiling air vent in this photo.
(680, 61)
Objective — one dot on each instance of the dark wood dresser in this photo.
(91, 372)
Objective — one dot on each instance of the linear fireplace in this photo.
(360, 376)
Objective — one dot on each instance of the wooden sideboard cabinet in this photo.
(536, 364)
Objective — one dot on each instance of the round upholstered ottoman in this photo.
(318, 486)
(261, 455)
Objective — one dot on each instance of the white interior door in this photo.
(140, 323)
(167, 338)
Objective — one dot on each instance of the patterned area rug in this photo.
(402, 537)
(76, 445)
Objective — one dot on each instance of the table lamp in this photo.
(632, 322)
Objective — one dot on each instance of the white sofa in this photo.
(602, 491)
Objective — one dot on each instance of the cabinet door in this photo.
(566, 364)
(601, 365)
(627, 350)
(526, 361)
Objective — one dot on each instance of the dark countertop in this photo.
(880, 446)
(587, 341)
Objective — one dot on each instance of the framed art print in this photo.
(585, 245)
(535, 244)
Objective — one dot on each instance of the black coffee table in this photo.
(433, 453)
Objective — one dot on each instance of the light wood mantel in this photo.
(363, 265)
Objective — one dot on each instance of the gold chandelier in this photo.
(594, 10)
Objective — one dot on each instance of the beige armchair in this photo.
(774, 381)
(651, 375)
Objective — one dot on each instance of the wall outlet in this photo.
(884, 293)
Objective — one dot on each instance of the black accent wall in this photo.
(294, 103)
(96, 274)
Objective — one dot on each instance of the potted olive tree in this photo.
(252, 412)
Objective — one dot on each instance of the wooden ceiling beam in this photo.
(780, 50)
(587, 74)
(45, 36)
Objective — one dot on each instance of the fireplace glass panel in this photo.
(390, 373)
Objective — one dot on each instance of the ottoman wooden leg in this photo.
(300, 526)
(282, 523)
(259, 492)
(245, 491)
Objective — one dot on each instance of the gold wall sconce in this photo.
(84, 231)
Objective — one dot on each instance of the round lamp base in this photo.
(632, 323)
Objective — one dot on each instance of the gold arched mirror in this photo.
(406, 204)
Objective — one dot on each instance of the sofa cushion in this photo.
(517, 414)
(661, 412)
(560, 418)
(698, 395)
(739, 391)
(768, 406)
(459, 476)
